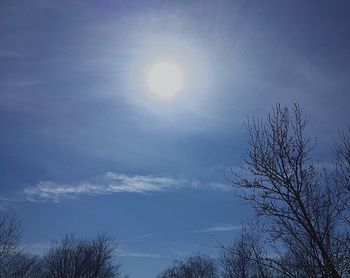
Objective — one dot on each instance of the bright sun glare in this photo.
(165, 79)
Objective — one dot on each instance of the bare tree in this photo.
(9, 237)
(302, 205)
(199, 266)
(342, 164)
(76, 258)
(22, 265)
(245, 257)
(9, 233)
(14, 263)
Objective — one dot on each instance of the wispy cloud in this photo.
(110, 183)
(220, 186)
(140, 255)
(6, 201)
(218, 228)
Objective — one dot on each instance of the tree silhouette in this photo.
(199, 266)
(22, 265)
(9, 237)
(303, 205)
(245, 257)
(76, 258)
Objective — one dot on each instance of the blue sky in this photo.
(86, 148)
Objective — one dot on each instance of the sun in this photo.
(165, 79)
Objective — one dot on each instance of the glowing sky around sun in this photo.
(165, 79)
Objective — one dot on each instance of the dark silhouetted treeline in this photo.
(70, 258)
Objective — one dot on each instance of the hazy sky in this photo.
(86, 148)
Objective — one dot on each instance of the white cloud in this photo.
(220, 186)
(5, 201)
(110, 183)
(139, 255)
(218, 228)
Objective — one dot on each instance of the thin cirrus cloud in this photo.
(218, 228)
(109, 183)
(140, 255)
